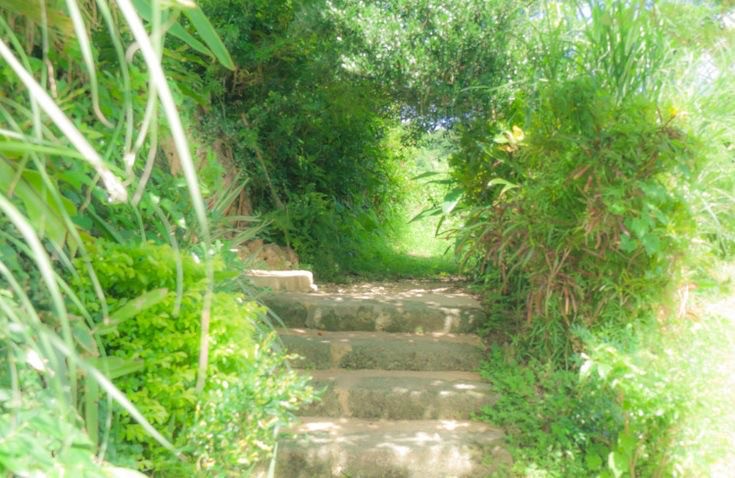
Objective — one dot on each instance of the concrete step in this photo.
(405, 309)
(382, 350)
(398, 395)
(325, 447)
(289, 281)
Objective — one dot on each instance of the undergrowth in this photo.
(597, 210)
(154, 336)
(650, 401)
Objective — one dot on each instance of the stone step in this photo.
(398, 395)
(382, 350)
(417, 310)
(325, 447)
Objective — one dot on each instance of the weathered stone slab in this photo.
(398, 395)
(421, 312)
(286, 281)
(382, 350)
(390, 449)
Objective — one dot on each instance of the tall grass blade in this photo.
(86, 49)
(207, 33)
(108, 387)
(115, 188)
(177, 132)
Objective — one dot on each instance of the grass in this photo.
(407, 249)
(411, 252)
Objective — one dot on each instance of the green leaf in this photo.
(651, 243)
(91, 408)
(144, 10)
(430, 212)
(639, 226)
(84, 338)
(132, 308)
(209, 35)
(427, 174)
(507, 185)
(451, 200)
(627, 443)
(115, 367)
(627, 244)
(18, 148)
(39, 207)
(593, 461)
(617, 463)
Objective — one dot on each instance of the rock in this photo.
(286, 281)
(272, 256)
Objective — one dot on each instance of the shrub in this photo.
(556, 428)
(161, 336)
(39, 436)
(588, 215)
(237, 419)
(595, 204)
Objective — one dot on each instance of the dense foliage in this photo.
(122, 314)
(159, 338)
(582, 156)
(309, 135)
(593, 202)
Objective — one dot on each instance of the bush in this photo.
(596, 204)
(38, 435)
(238, 418)
(157, 333)
(555, 427)
(588, 216)
(309, 135)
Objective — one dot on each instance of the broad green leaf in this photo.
(115, 367)
(627, 443)
(451, 200)
(145, 11)
(507, 185)
(35, 180)
(627, 244)
(132, 308)
(651, 243)
(639, 226)
(39, 209)
(209, 35)
(593, 461)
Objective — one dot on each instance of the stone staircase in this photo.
(397, 363)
